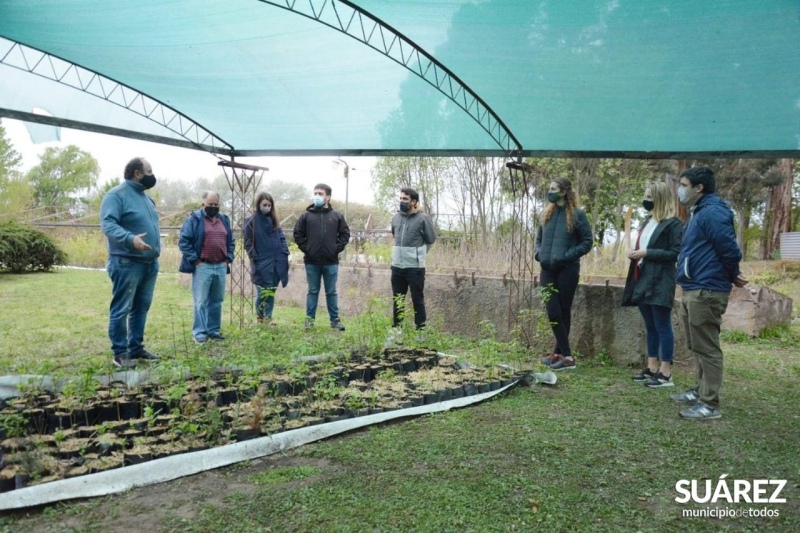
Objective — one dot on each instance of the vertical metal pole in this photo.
(346, 198)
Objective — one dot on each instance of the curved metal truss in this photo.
(365, 28)
(45, 65)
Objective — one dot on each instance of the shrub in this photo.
(25, 249)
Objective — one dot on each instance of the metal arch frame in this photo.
(60, 70)
(386, 40)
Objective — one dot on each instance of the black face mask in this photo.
(211, 211)
(148, 181)
(404, 207)
(648, 205)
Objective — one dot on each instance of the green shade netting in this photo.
(567, 77)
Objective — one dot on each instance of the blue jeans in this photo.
(658, 325)
(208, 291)
(265, 303)
(132, 286)
(330, 274)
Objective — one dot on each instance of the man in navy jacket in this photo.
(207, 245)
(708, 266)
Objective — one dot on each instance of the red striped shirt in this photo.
(215, 241)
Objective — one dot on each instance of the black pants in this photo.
(559, 305)
(404, 279)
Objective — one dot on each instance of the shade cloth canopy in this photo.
(377, 77)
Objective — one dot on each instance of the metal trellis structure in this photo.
(521, 275)
(244, 181)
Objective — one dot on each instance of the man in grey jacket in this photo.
(413, 236)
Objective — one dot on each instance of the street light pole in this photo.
(346, 192)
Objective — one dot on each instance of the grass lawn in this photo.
(595, 453)
(57, 323)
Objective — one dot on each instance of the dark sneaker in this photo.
(644, 375)
(337, 325)
(701, 411)
(551, 359)
(200, 340)
(309, 323)
(144, 355)
(690, 396)
(122, 361)
(217, 337)
(565, 363)
(659, 380)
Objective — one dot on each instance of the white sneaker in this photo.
(395, 338)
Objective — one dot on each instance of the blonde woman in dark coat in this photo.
(650, 284)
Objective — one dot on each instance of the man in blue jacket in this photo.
(207, 245)
(708, 266)
(130, 223)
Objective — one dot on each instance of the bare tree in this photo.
(475, 187)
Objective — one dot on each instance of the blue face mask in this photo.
(318, 201)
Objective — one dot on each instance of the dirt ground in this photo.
(146, 508)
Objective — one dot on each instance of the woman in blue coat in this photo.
(266, 245)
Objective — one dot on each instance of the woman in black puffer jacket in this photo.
(563, 237)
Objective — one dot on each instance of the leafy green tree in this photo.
(425, 174)
(286, 192)
(9, 158)
(173, 194)
(64, 178)
(15, 194)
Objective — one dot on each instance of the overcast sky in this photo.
(172, 163)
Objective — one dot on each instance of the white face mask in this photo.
(266, 210)
(683, 196)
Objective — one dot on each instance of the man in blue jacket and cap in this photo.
(708, 266)
(207, 247)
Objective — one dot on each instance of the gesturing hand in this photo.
(740, 281)
(139, 244)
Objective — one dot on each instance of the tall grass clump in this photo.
(87, 247)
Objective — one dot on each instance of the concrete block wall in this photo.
(461, 301)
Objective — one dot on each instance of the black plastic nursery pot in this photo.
(122, 427)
